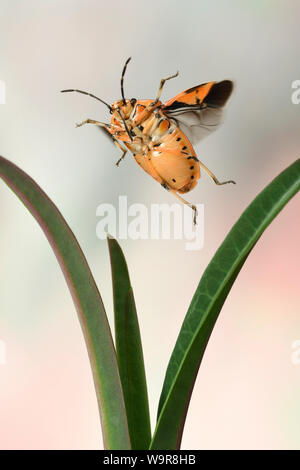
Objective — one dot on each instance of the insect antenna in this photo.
(122, 79)
(89, 94)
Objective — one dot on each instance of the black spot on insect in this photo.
(184, 148)
(133, 101)
(165, 186)
(198, 101)
(156, 145)
(141, 128)
(193, 158)
(184, 153)
(178, 139)
(192, 167)
(174, 181)
(192, 177)
(194, 88)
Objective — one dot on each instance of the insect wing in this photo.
(198, 110)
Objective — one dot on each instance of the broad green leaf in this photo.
(129, 351)
(207, 302)
(87, 300)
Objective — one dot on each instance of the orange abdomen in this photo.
(167, 155)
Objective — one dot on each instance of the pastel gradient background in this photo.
(247, 391)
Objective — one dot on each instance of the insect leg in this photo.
(91, 121)
(120, 147)
(150, 108)
(213, 177)
(162, 82)
(194, 208)
(117, 144)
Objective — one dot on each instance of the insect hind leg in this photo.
(162, 82)
(213, 177)
(192, 206)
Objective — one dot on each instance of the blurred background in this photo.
(247, 391)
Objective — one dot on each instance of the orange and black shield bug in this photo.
(161, 136)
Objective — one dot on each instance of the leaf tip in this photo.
(109, 236)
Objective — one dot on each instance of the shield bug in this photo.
(161, 136)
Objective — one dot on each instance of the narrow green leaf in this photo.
(87, 300)
(129, 351)
(207, 302)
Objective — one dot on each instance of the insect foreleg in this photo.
(120, 147)
(117, 144)
(125, 125)
(162, 82)
(213, 177)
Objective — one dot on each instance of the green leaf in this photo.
(129, 351)
(207, 302)
(87, 300)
